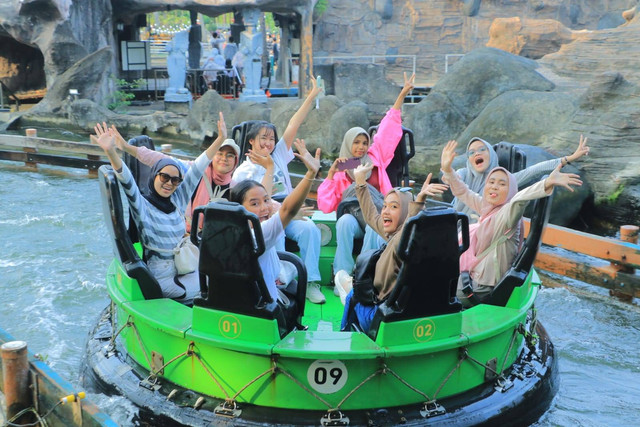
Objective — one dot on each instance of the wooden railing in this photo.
(33, 150)
(600, 261)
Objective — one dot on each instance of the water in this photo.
(56, 252)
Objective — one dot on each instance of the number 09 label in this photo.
(327, 376)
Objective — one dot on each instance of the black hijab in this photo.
(150, 193)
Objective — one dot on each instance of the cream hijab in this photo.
(486, 233)
(347, 143)
(405, 198)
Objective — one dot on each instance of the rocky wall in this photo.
(432, 29)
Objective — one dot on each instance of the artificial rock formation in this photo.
(433, 29)
(57, 31)
(585, 81)
(531, 38)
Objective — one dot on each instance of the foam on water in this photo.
(598, 358)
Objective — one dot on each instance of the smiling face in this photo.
(360, 146)
(257, 201)
(391, 212)
(479, 156)
(166, 189)
(496, 189)
(224, 160)
(264, 142)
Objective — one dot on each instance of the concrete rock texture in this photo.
(581, 76)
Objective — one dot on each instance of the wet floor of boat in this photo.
(324, 317)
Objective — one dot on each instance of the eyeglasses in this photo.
(165, 177)
(230, 156)
(472, 153)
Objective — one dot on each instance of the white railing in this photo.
(446, 60)
(365, 59)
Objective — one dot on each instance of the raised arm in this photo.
(369, 211)
(143, 154)
(222, 135)
(582, 150)
(559, 179)
(409, 84)
(458, 188)
(534, 172)
(267, 163)
(389, 130)
(297, 119)
(106, 140)
(295, 200)
(429, 189)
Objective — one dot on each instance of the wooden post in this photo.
(31, 133)
(306, 49)
(628, 233)
(15, 373)
(93, 172)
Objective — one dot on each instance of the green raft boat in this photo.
(238, 358)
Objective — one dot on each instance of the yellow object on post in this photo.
(73, 397)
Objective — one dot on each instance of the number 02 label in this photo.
(327, 376)
(423, 330)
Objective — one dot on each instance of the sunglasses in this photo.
(165, 177)
(472, 153)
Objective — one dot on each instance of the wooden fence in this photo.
(600, 261)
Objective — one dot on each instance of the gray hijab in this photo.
(475, 180)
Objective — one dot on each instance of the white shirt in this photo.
(272, 231)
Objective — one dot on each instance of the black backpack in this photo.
(363, 290)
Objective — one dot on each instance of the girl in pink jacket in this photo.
(356, 144)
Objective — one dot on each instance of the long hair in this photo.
(239, 191)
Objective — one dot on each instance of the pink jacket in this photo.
(381, 152)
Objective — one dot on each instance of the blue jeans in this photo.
(347, 230)
(307, 236)
(363, 314)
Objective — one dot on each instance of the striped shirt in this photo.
(156, 228)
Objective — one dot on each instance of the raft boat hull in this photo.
(531, 383)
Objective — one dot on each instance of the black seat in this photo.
(428, 277)
(239, 135)
(230, 274)
(510, 156)
(398, 169)
(123, 246)
(523, 261)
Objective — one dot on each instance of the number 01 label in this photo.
(327, 376)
